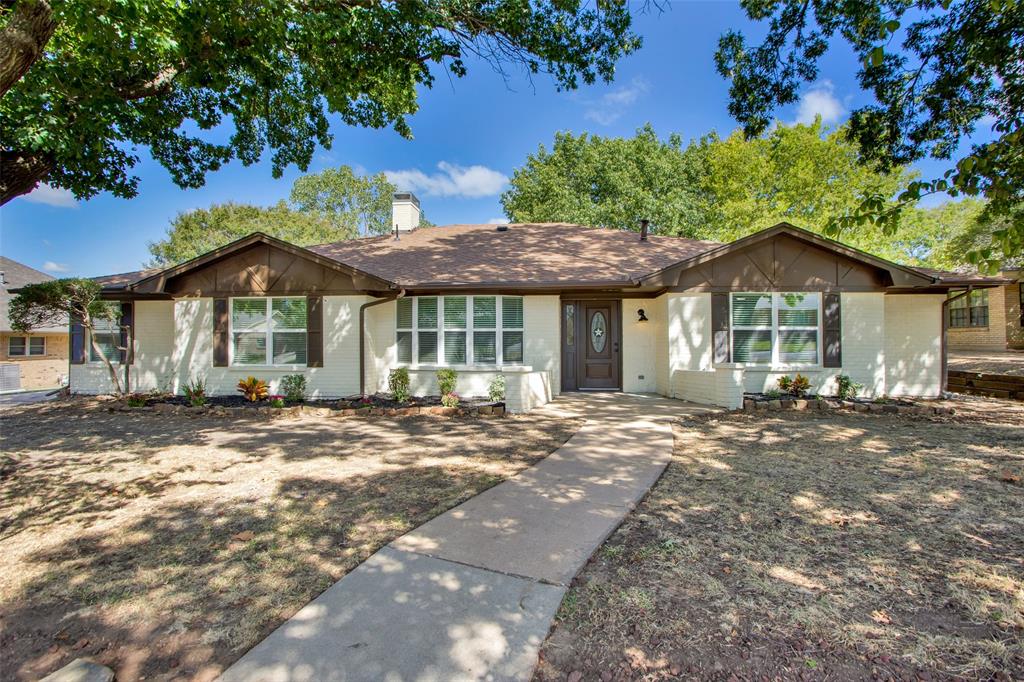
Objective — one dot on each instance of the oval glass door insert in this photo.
(598, 332)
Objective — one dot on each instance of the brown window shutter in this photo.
(76, 339)
(220, 332)
(127, 332)
(314, 331)
(720, 327)
(833, 352)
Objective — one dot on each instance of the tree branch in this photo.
(21, 172)
(22, 40)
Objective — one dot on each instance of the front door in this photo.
(598, 331)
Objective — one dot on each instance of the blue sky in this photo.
(470, 134)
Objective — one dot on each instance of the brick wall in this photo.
(992, 337)
(1014, 330)
(39, 371)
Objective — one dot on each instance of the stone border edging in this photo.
(296, 411)
(751, 405)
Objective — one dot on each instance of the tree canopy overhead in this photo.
(938, 69)
(86, 83)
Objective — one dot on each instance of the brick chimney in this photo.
(405, 212)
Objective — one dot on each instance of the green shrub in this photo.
(136, 400)
(847, 388)
(294, 387)
(797, 386)
(773, 394)
(398, 384)
(785, 384)
(253, 389)
(450, 400)
(195, 391)
(446, 380)
(496, 389)
(277, 401)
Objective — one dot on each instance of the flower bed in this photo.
(368, 406)
(760, 401)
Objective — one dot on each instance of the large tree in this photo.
(86, 83)
(938, 70)
(714, 188)
(611, 182)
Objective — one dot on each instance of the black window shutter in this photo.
(314, 331)
(720, 327)
(220, 332)
(833, 352)
(127, 332)
(76, 339)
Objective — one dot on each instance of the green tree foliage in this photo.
(938, 70)
(610, 182)
(329, 206)
(726, 188)
(85, 82)
(52, 303)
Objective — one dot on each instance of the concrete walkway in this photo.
(471, 594)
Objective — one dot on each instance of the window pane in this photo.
(454, 312)
(485, 348)
(248, 313)
(485, 312)
(798, 310)
(512, 312)
(454, 347)
(250, 348)
(979, 316)
(979, 297)
(426, 314)
(428, 347)
(957, 317)
(570, 324)
(37, 345)
(798, 346)
(289, 348)
(404, 340)
(289, 313)
(749, 345)
(752, 310)
(958, 303)
(404, 313)
(16, 345)
(512, 347)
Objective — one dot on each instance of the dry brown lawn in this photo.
(814, 546)
(166, 546)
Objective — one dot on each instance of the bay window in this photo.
(268, 331)
(459, 330)
(775, 328)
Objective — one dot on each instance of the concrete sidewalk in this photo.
(471, 594)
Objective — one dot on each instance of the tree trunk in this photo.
(114, 378)
(21, 173)
(22, 41)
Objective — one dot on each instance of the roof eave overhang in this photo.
(156, 283)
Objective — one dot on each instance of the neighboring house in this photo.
(553, 307)
(988, 319)
(28, 361)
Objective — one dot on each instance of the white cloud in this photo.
(452, 181)
(820, 101)
(610, 106)
(50, 266)
(51, 196)
(498, 221)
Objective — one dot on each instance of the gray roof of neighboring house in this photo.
(15, 276)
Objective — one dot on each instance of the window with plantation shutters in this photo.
(268, 331)
(459, 330)
(776, 328)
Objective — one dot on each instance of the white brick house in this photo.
(553, 307)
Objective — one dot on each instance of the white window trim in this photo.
(775, 364)
(28, 346)
(268, 356)
(470, 364)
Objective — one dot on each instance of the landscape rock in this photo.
(81, 670)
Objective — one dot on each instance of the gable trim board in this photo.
(681, 350)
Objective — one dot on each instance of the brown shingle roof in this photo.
(18, 275)
(525, 254)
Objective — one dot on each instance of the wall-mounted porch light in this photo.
(641, 316)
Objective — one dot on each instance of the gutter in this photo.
(945, 336)
(362, 336)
